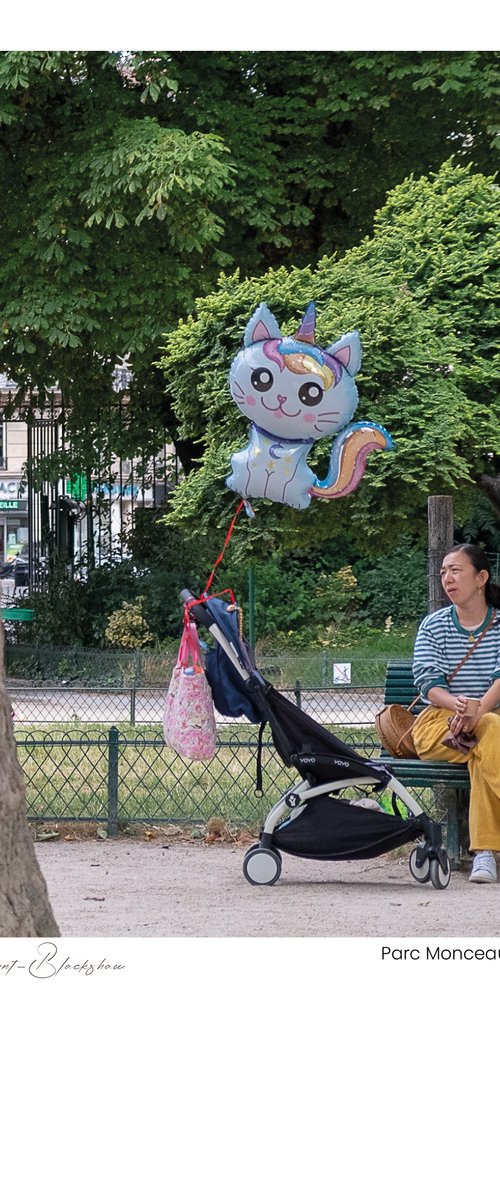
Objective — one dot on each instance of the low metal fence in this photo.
(46, 666)
(115, 781)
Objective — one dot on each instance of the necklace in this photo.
(473, 633)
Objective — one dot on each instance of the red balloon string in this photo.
(227, 591)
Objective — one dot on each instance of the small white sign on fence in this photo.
(341, 672)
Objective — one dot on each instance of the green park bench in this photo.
(453, 777)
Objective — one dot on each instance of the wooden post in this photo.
(440, 539)
(440, 535)
(251, 607)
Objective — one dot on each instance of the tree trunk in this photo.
(490, 486)
(25, 909)
(440, 536)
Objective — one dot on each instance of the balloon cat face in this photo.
(294, 392)
(288, 386)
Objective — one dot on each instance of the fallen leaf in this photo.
(216, 825)
(245, 837)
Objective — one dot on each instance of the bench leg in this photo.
(463, 821)
(457, 831)
(450, 798)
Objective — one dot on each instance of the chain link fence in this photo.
(114, 668)
(67, 706)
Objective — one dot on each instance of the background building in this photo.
(13, 488)
(86, 518)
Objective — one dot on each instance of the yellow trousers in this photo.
(483, 763)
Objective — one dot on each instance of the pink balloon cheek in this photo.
(309, 418)
(250, 400)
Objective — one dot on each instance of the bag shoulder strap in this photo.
(258, 771)
(190, 648)
(473, 647)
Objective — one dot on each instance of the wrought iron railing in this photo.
(115, 781)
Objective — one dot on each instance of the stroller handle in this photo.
(199, 612)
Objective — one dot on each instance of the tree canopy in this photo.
(318, 139)
(424, 292)
(107, 218)
(130, 180)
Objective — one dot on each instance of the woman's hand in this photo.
(467, 713)
(461, 703)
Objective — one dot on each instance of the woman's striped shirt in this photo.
(441, 644)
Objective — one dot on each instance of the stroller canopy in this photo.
(230, 693)
(296, 736)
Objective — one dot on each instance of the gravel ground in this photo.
(142, 889)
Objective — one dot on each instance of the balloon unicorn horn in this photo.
(294, 393)
(307, 328)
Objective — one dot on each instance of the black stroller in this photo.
(314, 818)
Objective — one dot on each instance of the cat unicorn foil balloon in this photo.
(294, 393)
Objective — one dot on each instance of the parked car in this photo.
(7, 568)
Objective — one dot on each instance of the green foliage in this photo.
(108, 218)
(424, 292)
(61, 615)
(130, 179)
(127, 628)
(299, 600)
(168, 561)
(317, 139)
(395, 586)
(479, 525)
(74, 610)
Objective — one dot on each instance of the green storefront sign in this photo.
(77, 487)
(14, 505)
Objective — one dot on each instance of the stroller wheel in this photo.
(439, 878)
(422, 873)
(262, 866)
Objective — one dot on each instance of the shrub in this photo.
(394, 586)
(128, 628)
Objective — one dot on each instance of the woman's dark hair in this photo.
(479, 560)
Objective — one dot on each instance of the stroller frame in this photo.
(262, 863)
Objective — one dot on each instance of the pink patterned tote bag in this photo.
(189, 719)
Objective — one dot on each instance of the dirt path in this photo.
(151, 889)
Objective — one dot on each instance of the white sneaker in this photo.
(484, 867)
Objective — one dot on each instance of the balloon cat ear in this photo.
(347, 351)
(262, 326)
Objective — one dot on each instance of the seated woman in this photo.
(463, 708)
